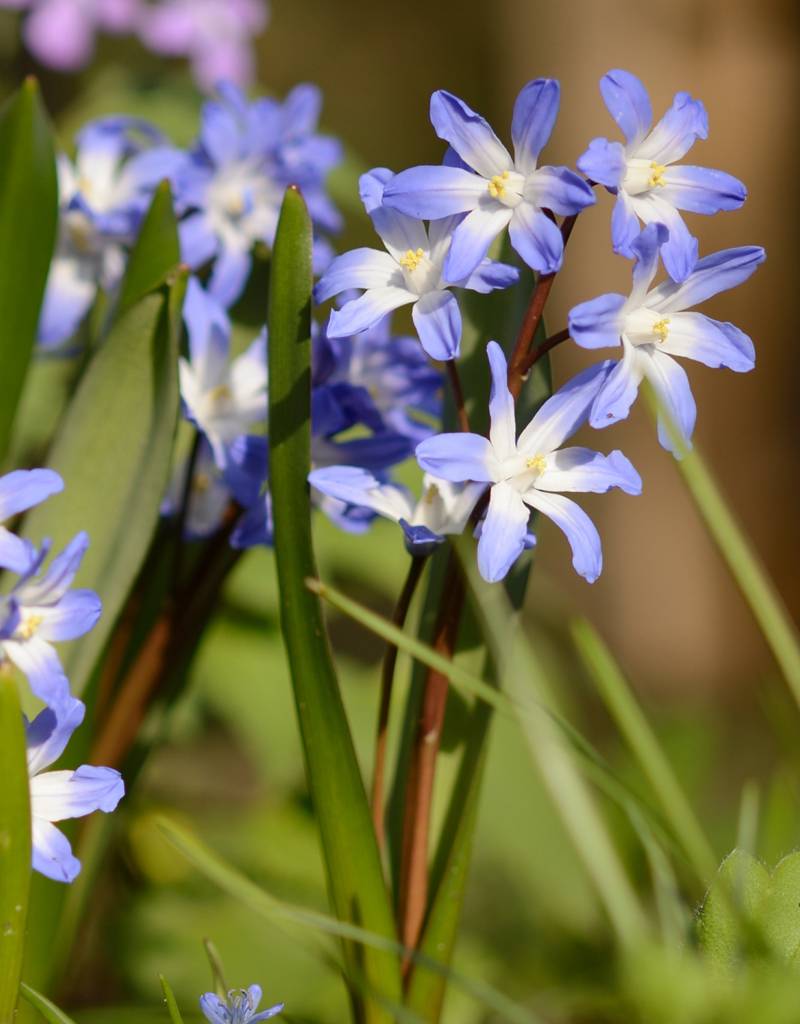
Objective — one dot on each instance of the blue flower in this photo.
(529, 471)
(233, 182)
(409, 272)
(48, 613)
(103, 196)
(493, 189)
(209, 495)
(19, 491)
(642, 175)
(56, 796)
(376, 378)
(223, 398)
(653, 326)
(443, 509)
(239, 1008)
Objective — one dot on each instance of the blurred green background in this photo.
(231, 762)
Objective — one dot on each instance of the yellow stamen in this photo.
(656, 175)
(220, 393)
(201, 483)
(538, 463)
(28, 626)
(661, 328)
(412, 259)
(497, 185)
(431, 494)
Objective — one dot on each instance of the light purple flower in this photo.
(481, 179)
(215, 35)
(644, 175)
(240, 1007)
(56, 796)
(529, 472)
(61, 33)
(19, 491)
(654, 325)
(409, 272)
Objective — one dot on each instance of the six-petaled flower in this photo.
(239, 1007)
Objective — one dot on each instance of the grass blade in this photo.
(15, 846)
(45, 1006)
(355, 878)
(169, 999)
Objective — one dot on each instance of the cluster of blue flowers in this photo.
(477, 192)
(38, 610)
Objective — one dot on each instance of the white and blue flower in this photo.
(645, 176)
(654, 326)
(489, 189)
(529, 472)
(240, 1007)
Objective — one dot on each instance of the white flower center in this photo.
(645, 326)
(420, 272)
(507, 188)
(643, 176)
(30, 623)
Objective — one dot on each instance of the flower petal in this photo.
(503, 531)
(696, 336)
(619, 392)
(367, 310)
(672, 387)
(198, 241)
(536, 238)
(712, 274)
(559, 189)
(56, 796)
(702, 189)
(458, 457)
(75, 614)
(598, 322)
(24, 488)
(469, 134)
(359, 268)
(625, 226)
(437, 320)
(603, 161)
(535, 112)
(563, 412)
(398, 231)
(52, 854)
(472, 238)
(679, 251)
(48, 734)
(39, 662)
(503, 429)
(490, 275)
(431, 192)
(580, 531)
(214, 1009)
(628, 103)
(645, 249)
(581, 469)
(357, 486)
(676, 132)
(230, 273)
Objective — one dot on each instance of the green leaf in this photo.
(113, 450)
(28, 219)
(355, 877)
(727, 918)
(15, 846)
(169, 999)
(779, 911)
(156, 255)
(45, 1006)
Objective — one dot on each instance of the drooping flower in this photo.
(56, 796)
(19, 491)
(643, 176)
(61, 33)
(529, 472)
(222, 397)
(240, 1007)
(410, 271)
(653, 326)
(103, 196)
(215, 35)
(48, 612)
(232, 185)
(443, 509)
(494, 189)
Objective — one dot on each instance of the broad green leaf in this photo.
(46, 1007)
(157, 253)
(727, 918)
(779, 913)
(28, 219)
(355, 877)
(15, 846)
(169, 999)
(113, 450)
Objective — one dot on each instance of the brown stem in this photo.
(387, 681)
(419, 783)
(458, 395)
(532, 319)
(536, 354)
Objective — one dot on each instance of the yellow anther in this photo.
(661, 328)
(656, 178)
(412, 259)
(497, 185)
(538, 463)
(201, 483)
(220, 393)
(28, 626)
(431, 494)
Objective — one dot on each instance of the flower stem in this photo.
(183, 511)
(387, 681)
(458, 395)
